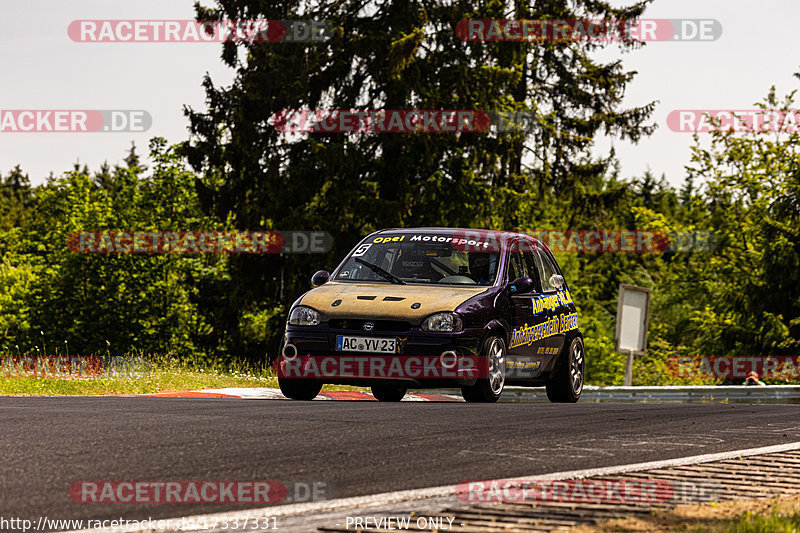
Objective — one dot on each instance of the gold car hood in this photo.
(385, 301)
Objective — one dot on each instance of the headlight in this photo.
(303, 316)
(442, 322)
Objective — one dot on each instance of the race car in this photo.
(437, 308)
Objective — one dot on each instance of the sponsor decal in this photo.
(396, 238)
(522, 369)
(523, 365)
(569, 322)
(527, 335)
(548, 350)
(569, 241)
(459, 242)
(550, 301)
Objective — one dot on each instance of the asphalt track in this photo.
(358, 448)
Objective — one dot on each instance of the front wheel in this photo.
(389, 392)
(299, 389)
(489, 389)
(566, 384)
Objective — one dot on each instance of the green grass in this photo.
(139, 374)
(754, 523)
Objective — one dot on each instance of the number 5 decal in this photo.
(361, 250)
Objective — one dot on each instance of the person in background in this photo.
(752, 379)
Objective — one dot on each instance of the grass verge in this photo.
(777, 515)
(145, 375)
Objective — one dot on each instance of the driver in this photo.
(479, 267)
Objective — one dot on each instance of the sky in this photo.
(45, 69)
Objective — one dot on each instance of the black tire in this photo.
(489, 389)
(566, 384)
(299, 389)
(389, 392)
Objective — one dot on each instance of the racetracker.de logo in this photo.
(380, 121)
(74, 120)
(579, 241)
(597, 491)
(412, 367)
(51, 366)
(782, 367)
(159, 492)
(193, 31)
(741, 121)
(199, 242)
(588, 30)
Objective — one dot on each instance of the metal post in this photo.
(629, 369)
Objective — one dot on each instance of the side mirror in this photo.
(320, 277)
(520, 285)
(556, 281)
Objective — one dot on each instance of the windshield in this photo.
(403, 261)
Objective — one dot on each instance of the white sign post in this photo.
(633, 313)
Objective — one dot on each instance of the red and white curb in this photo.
(263, 393)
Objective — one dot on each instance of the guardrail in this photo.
(671, 392)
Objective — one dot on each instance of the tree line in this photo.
(237, 171)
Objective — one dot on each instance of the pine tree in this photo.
(402, 54)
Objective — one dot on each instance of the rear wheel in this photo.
(566, 384)
(299, 389)
(389, 392)
(489, 389)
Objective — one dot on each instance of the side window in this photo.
(530, 263)
(546, 268)
(516, 266)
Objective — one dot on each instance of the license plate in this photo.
(347, 343)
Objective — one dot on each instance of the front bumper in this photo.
(422, 359)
